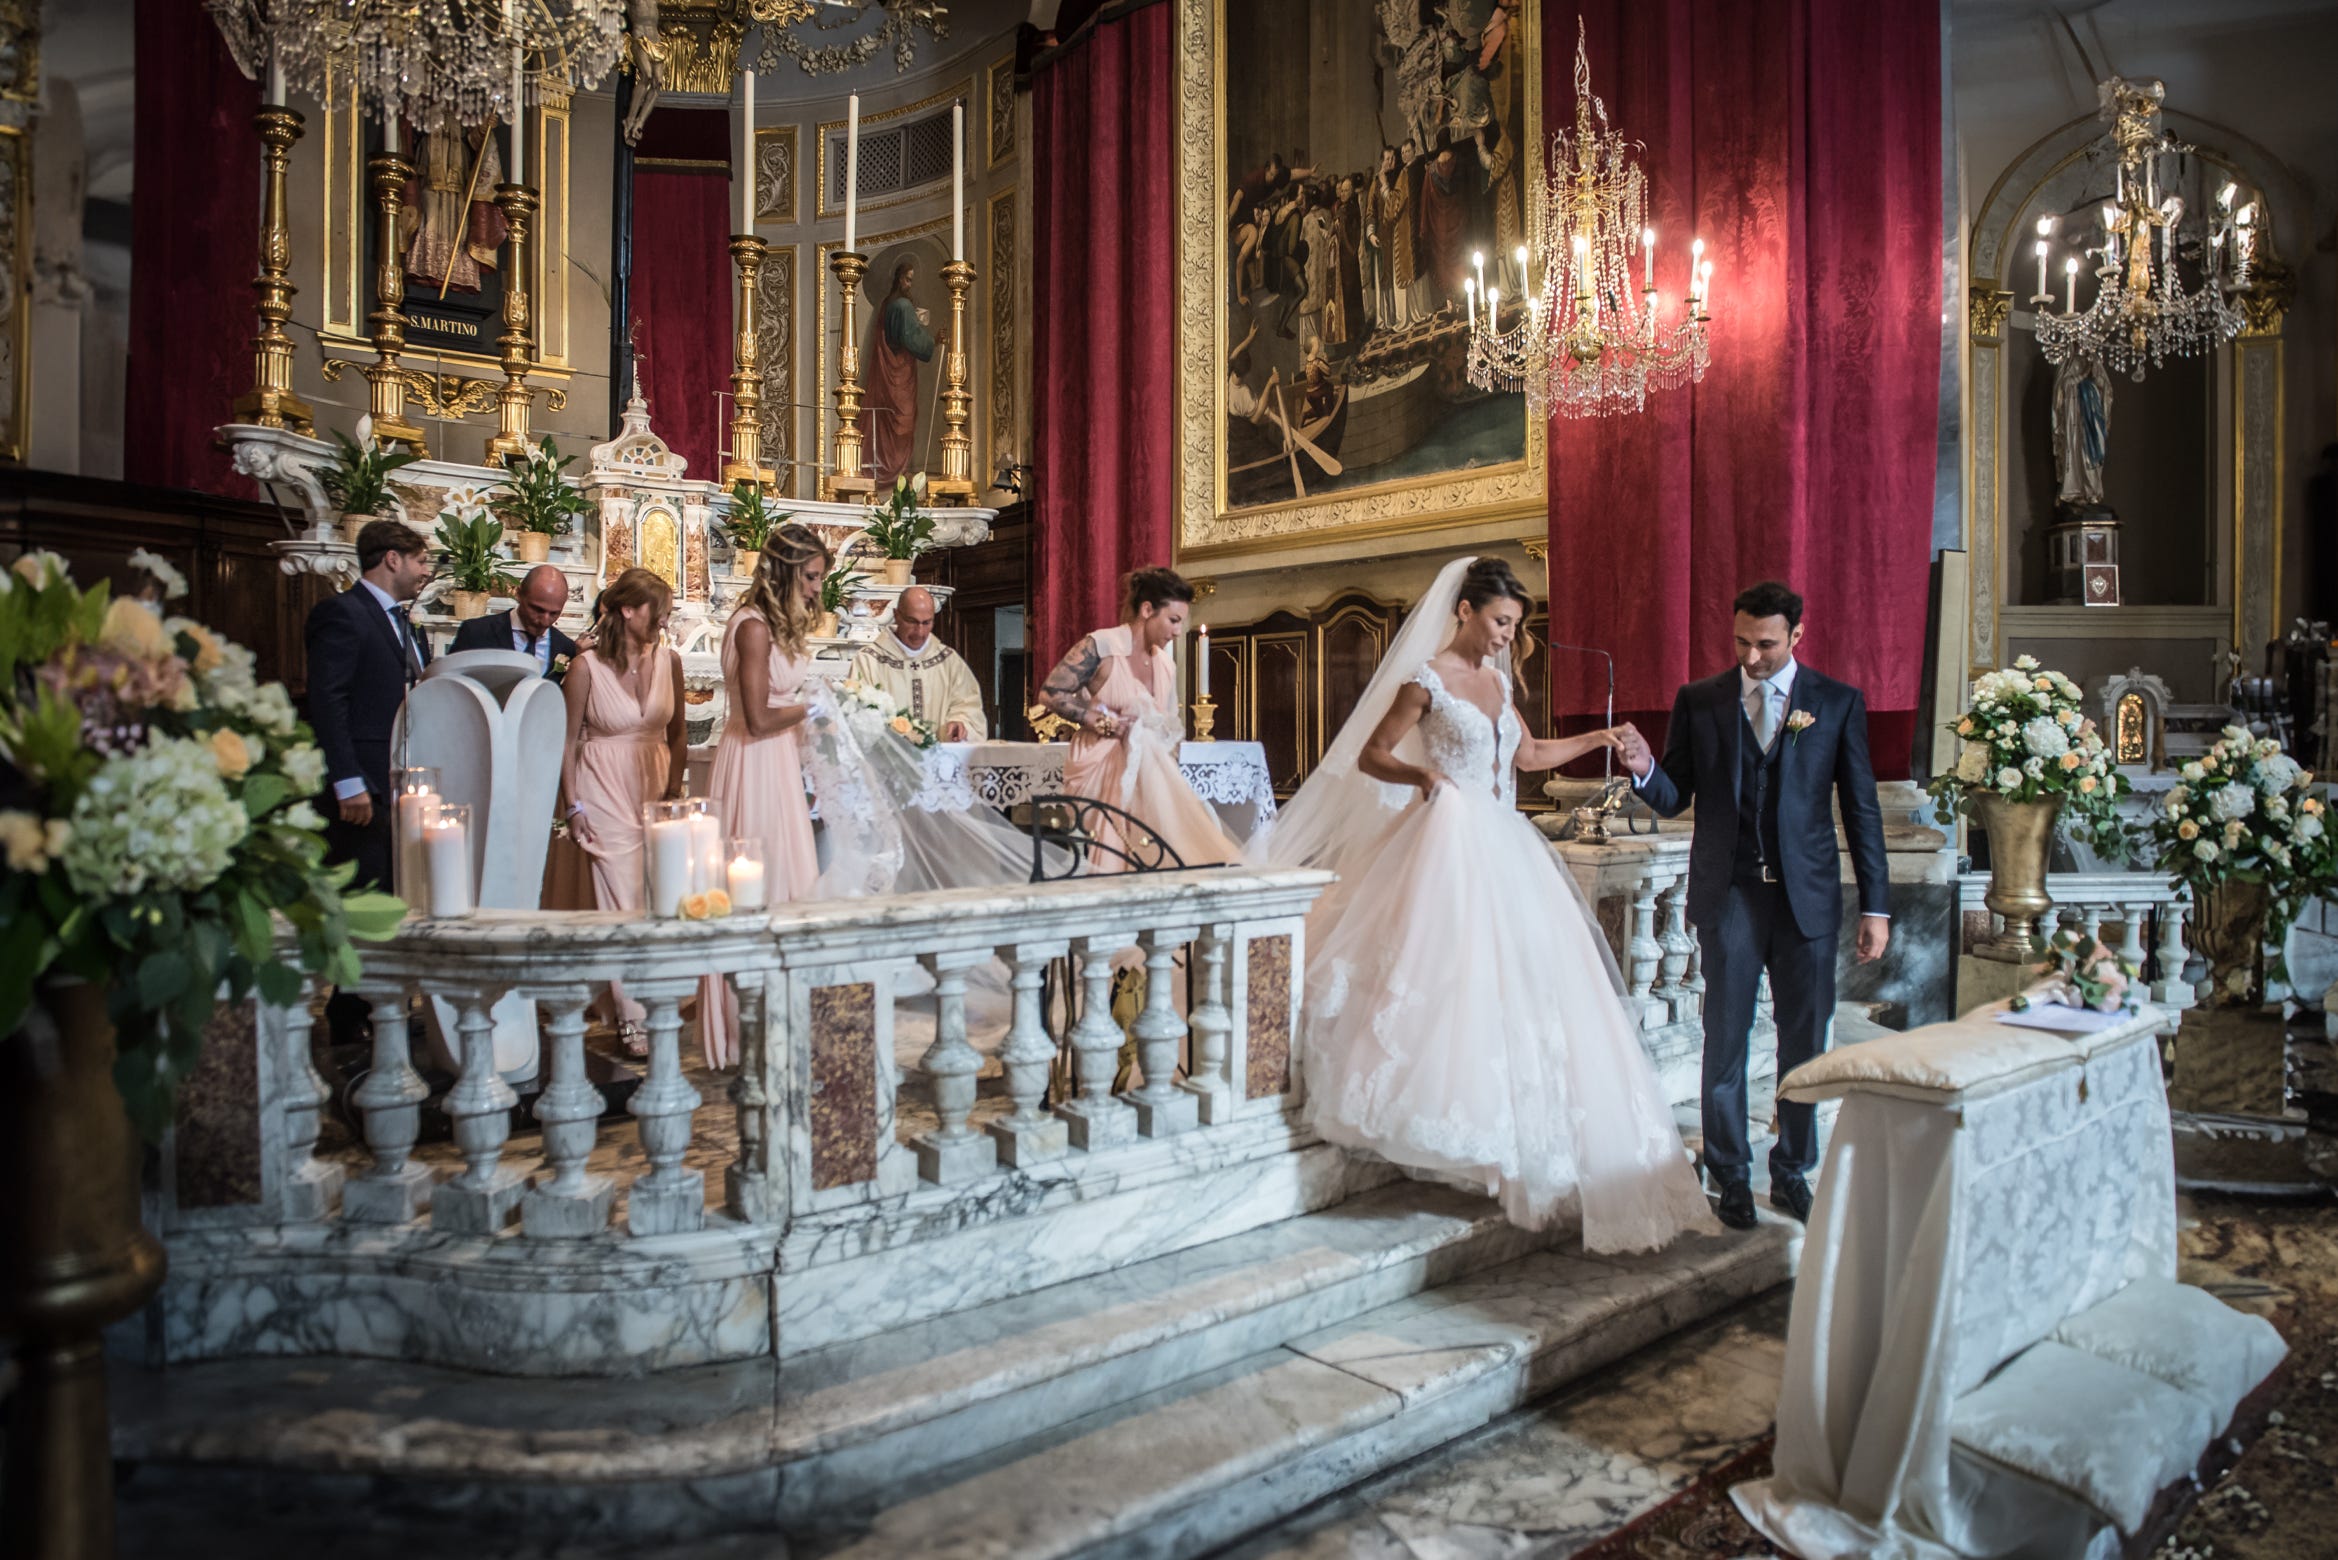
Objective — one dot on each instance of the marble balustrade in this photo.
(2142, 914)
(863, 1192)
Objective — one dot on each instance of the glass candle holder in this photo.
(706, 845)
(414, 803)
(446, 852)
(746, 874)
(668, 861)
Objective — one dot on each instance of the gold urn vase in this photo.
(2227, 930)
(74, 1257)
(2021, 838)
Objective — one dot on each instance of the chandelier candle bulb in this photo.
(957, 181)
(2070, 285)
(1648, 262)
(1494, 309)
(852, 171)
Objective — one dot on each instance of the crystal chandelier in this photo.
(433, 61)
(2141, 315)
(1587, 342)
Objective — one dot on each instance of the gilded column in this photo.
(746, 462)
(271, 403)
(386, 401)
(956, 484)
(847, 477)
(514, 401)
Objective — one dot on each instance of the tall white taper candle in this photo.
(852, 171)
(747, 152)
(957, 181)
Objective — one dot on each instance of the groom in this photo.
(1762, 750)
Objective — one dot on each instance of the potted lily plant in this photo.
(468, 559)
(358, 481)
(899, 530)
(536, 502)
(749, 527)
(836, 592)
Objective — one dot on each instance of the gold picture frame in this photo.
(1207, 525)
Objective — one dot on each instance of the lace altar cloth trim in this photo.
(1001, 774)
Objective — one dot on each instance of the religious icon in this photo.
(2130, 744)
(453, 230)
(898, 360)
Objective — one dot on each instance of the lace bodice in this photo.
(1462, 746)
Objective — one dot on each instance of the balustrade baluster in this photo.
(2131, 935)
(310, 1185)
(1674, 939)
(1162, 1108)
(1028, 1134)
(669, 1198)
(1643, 949)
(562, 1200)
(2090, 920)
(1212, 1023)
(754, 1186)
(953, 1152)
(486, 1195)
(394, 1190)
(2172, 989)
(1096, 1119)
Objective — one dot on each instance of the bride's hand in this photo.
(1431, 785)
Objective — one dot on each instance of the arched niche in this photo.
(2236, 389)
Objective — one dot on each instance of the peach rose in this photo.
(694, 907)
(133, 630)
(718, 902)
(230, 752)
(2071, 761)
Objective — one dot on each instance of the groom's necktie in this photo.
(1765, 698)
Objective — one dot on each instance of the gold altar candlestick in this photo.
(271, 403)
(515, 400)
(956, 484)
(848, 477)
(386, 398)
(746, 462)
(1205, 719)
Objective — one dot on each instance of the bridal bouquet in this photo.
(2244, 812)
(2026, 739)
(2086, 974)
(871, 709)
(155, 819)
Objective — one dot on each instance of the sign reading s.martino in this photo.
(1348, 167)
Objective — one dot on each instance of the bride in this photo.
(1463, 1012)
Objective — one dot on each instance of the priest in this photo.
(925, 677)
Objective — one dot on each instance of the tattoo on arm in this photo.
(1065, 692)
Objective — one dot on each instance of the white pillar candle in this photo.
(2042, 270)
(669, 865)
(446, 846)
(1493, 310)
(706, 853)
(957, 181)
(746, 884)
(1201, 663)
(747, 153)
(390, 130)
(852, 171)
(1705, 287)
(275, 81)
(2070, 285)
(1648, 259)
(519, 120)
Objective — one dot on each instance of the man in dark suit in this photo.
(531, 627)
(363, 654)
(1764, 750)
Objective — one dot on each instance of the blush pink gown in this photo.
(757, 788)
(620, 762)
(1137, 771)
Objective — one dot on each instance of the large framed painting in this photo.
(1326, 238)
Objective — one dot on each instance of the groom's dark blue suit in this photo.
(1765, 886)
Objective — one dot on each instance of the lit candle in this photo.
(747, 152)
(1582, 272)
(416, 810)
(746, 883)
(1494, 309)
(2070, 285)
(2042, 269)
(957, 181)
(706, 852)
(1705, 288)
(1519, 254)
(1648, 258)
(1696, 261)
(519, 121)
(1469, 300)
(1477, 261)
(446, 847)
(669, 865)
(852, 171)
(1201, 663)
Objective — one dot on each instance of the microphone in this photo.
(1607, 755)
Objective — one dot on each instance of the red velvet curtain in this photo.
(1801, 140)
(1104, 228)
(194, 250)
(682, 279)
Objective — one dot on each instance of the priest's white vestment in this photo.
(932, 682)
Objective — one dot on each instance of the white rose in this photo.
(2205, 851)
(2025, 663)
(2008, 779)
(2232, 801)
(2309, 827)
(2193, 772)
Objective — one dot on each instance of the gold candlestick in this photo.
(1205, 719)
(746, 462)
(848, 477)
(271, 403)
(956, 483)
(514, 401)
(386, 399)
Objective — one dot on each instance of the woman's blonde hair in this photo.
(634, 588)
(776, 591)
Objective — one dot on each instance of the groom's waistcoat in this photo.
(1757, 805)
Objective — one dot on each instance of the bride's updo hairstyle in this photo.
(1488, 580)
(1154, 588)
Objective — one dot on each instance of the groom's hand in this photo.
(1639, 757)
(1875, 935)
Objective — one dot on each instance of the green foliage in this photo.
(469, 553)
(751, 521)
(837, 586)
(358, 481)
(897, 528)
(535, 496)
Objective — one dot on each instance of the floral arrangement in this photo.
(870, 707)
(2026, 739)
(751, 522)
(156, 824)
(897, 528)
(358, 481)
(2243, 812)
(711, 905)
(536, 495)
(2087, 973)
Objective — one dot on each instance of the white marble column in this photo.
(563, 1200)
(669, 1199)
(2172, 989)
(1096, 1119)
(953, 1152)
(309, 1187)
(394, 1190)
(486, 1195)
(1028, 1134)
(1163, 1109)
(1213, 1028)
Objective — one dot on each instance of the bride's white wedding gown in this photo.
(1462, 1017)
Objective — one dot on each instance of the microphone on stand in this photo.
(1607, 755)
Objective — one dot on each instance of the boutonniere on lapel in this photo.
(1799, 722)
(557, 670)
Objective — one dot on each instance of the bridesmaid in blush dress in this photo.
(1119, 685)
(758, 782)
(626, 747)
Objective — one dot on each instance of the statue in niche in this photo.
(2082, 434)
(453, 230)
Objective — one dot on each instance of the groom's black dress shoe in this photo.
(1737, 1205)
(1790, 1195)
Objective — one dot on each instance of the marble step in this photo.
(1204, 1462)
(822, 1439)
